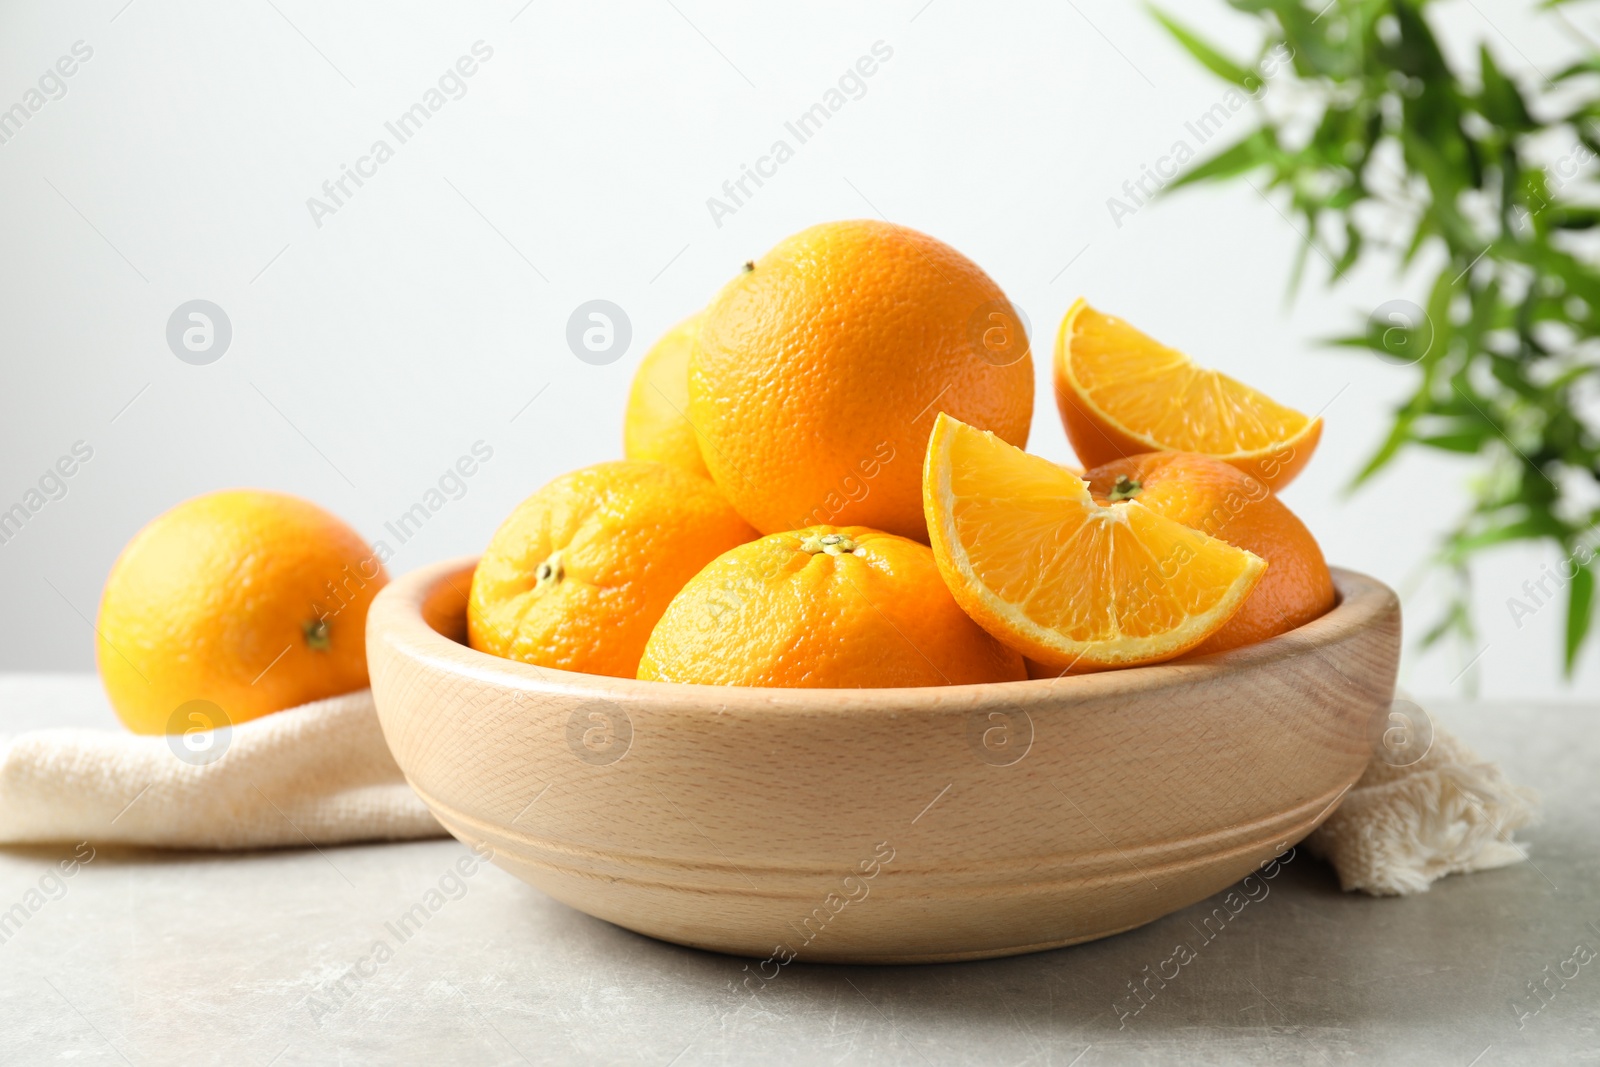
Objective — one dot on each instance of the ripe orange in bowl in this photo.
(1070, 582)
(824, 809)
(656, 424)
(819, 369)
(247, 600)
(1222, 501)
(1122, 393)
(578, 575)
(825, 607)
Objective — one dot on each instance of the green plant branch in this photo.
(1505, 347)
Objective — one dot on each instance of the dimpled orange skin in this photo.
(219, 599)
(1218, 499)
(656, 426)
(619, 540)
(818, 373)
(785, 612)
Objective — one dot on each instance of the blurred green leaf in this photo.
(1258, 149)
(1502, 104)
(1504, 368)
(1580, 613)
(1209, 57)
(1468, 441)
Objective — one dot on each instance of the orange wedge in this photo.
(1122, 393)
(1067, 582)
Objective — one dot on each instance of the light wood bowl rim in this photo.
(396, 617)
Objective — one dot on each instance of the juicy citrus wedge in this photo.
(1070, 583)
(1122, 393)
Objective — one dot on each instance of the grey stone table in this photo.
(275, 958)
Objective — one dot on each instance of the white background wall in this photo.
(372, 351)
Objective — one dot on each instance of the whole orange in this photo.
(656, 425)
(819, 370)
(824, 607)
(580, 572)
(1218, 499)
(250, 600)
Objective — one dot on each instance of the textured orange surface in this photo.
(786, 611)
(656, 425)
(820, 369)
(579, 573)
(220, 599)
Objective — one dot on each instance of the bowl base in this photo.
(1070, 904)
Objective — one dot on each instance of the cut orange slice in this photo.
(1122, 393)
(1067, 582)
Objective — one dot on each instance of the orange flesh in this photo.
(1036, 561)
(1155, 391)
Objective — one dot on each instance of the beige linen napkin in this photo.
(322, 774)
(317, 774)
(1401, 828)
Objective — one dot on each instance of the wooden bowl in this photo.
(881, 825)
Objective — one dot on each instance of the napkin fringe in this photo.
(1400, 829)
